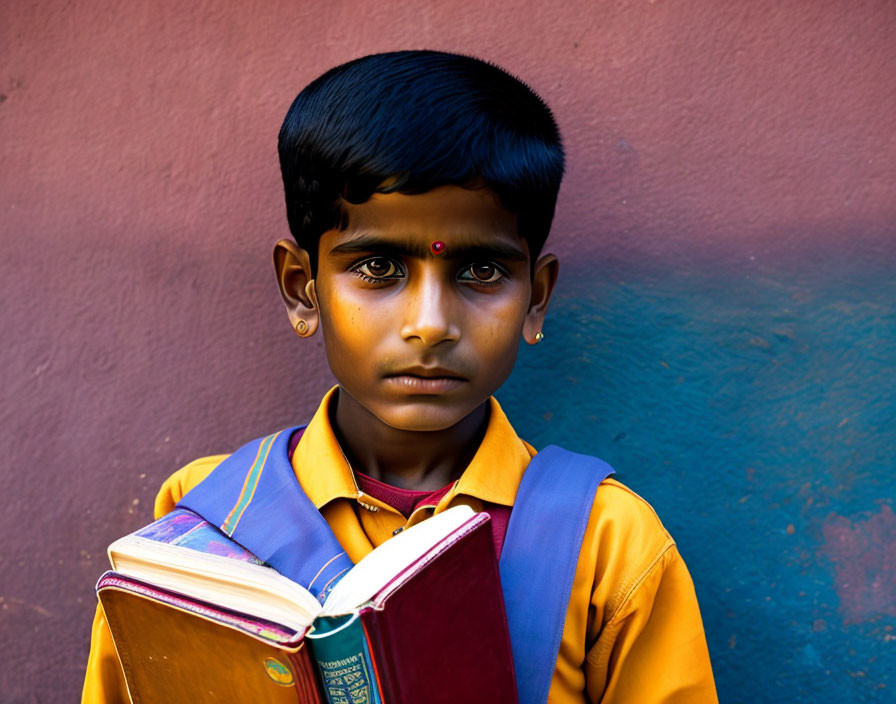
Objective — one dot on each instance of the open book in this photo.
(196, 617)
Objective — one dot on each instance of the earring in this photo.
(539, 336)
(301, 328)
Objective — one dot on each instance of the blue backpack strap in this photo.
(539, 558)
(254, 498)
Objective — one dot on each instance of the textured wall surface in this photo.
(724, 331)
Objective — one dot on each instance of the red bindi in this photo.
(437, 247)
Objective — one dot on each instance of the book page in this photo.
(236, 584)
(376, 570)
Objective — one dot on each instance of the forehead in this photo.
(453, 214)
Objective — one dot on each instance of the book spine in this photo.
(306, 683)
(385, 659)
(342, 653)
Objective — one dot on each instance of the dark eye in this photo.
(378, 268)
(482, 273)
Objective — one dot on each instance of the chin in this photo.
(422, 417)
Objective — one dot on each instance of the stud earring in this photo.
(539, 336)
(301, 328)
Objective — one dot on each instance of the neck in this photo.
(423, 461)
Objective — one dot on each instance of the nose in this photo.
(430, 317)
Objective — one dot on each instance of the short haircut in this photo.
(410, 121)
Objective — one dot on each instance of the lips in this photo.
(426, 380)
(428, 373)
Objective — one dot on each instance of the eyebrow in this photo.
(413, 248)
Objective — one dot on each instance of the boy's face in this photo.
(421, 339)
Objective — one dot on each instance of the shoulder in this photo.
(625, 542)
(178, 484)
(628, 516)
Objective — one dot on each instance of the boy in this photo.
(420, 188)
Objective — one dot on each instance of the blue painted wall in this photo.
(755, 408)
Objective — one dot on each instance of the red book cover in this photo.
(438, 632)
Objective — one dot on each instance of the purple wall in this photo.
(711, 146)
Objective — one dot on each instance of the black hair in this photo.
(410, 121)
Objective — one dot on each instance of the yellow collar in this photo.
(493, 475)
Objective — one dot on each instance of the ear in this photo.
(292, 265)
(544, 276)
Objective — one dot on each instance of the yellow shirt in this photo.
(633, 631)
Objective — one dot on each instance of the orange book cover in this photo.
(178, 650)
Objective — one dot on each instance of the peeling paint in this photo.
(863, 553)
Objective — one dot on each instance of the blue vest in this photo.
(255, 498)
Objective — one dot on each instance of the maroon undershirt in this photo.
(405, 501)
